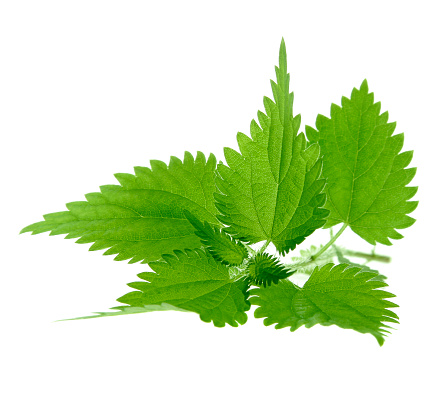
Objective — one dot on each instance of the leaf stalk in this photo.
(330, 243)
(262, 249)
(369, 257)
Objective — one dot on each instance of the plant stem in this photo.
(262, 249)
(251, 251)
(332, 240)
(370, 257)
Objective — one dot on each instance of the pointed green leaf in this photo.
(142, 218)
(193, 280)
(220, 244)
(265, 269)
(122, 310)
(271, 190)
(337, 295)
(365, 171)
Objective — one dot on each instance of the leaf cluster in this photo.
(194, 222)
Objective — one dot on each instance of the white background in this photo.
(91, 88)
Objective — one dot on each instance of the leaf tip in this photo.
(24, 230)
(282, 56)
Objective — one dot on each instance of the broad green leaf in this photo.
(193, 280)
(220, 244)
(122, 310)
(265, 269)
(365, 171)
(336, 295)
(142, 218)
(271, 190)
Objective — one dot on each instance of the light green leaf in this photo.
(363, 267)
(122, 310)
(271, 190)
(365, 171)
(193, 280)
(144, 217)
(220, 244)
(336, 295)
(304, 263)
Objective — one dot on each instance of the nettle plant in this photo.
(194, 222)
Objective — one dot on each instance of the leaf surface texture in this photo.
(365, 171)
(271, 190)
(337, 295)
(142, 218)
(193, 280)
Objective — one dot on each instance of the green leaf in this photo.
(271, 190)
(193, 280)
(336, 295)
(220, 244)
(265, 269)
(144, 217)
(122, 310)
(365, 171)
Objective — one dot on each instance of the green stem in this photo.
(370, 257)
(251, 251)
(262, 249)
(332, 240)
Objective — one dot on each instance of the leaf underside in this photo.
(271, 190)
(365, 171)
(193, 280)
(123, 310)
(142, 218)
(337, 295)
